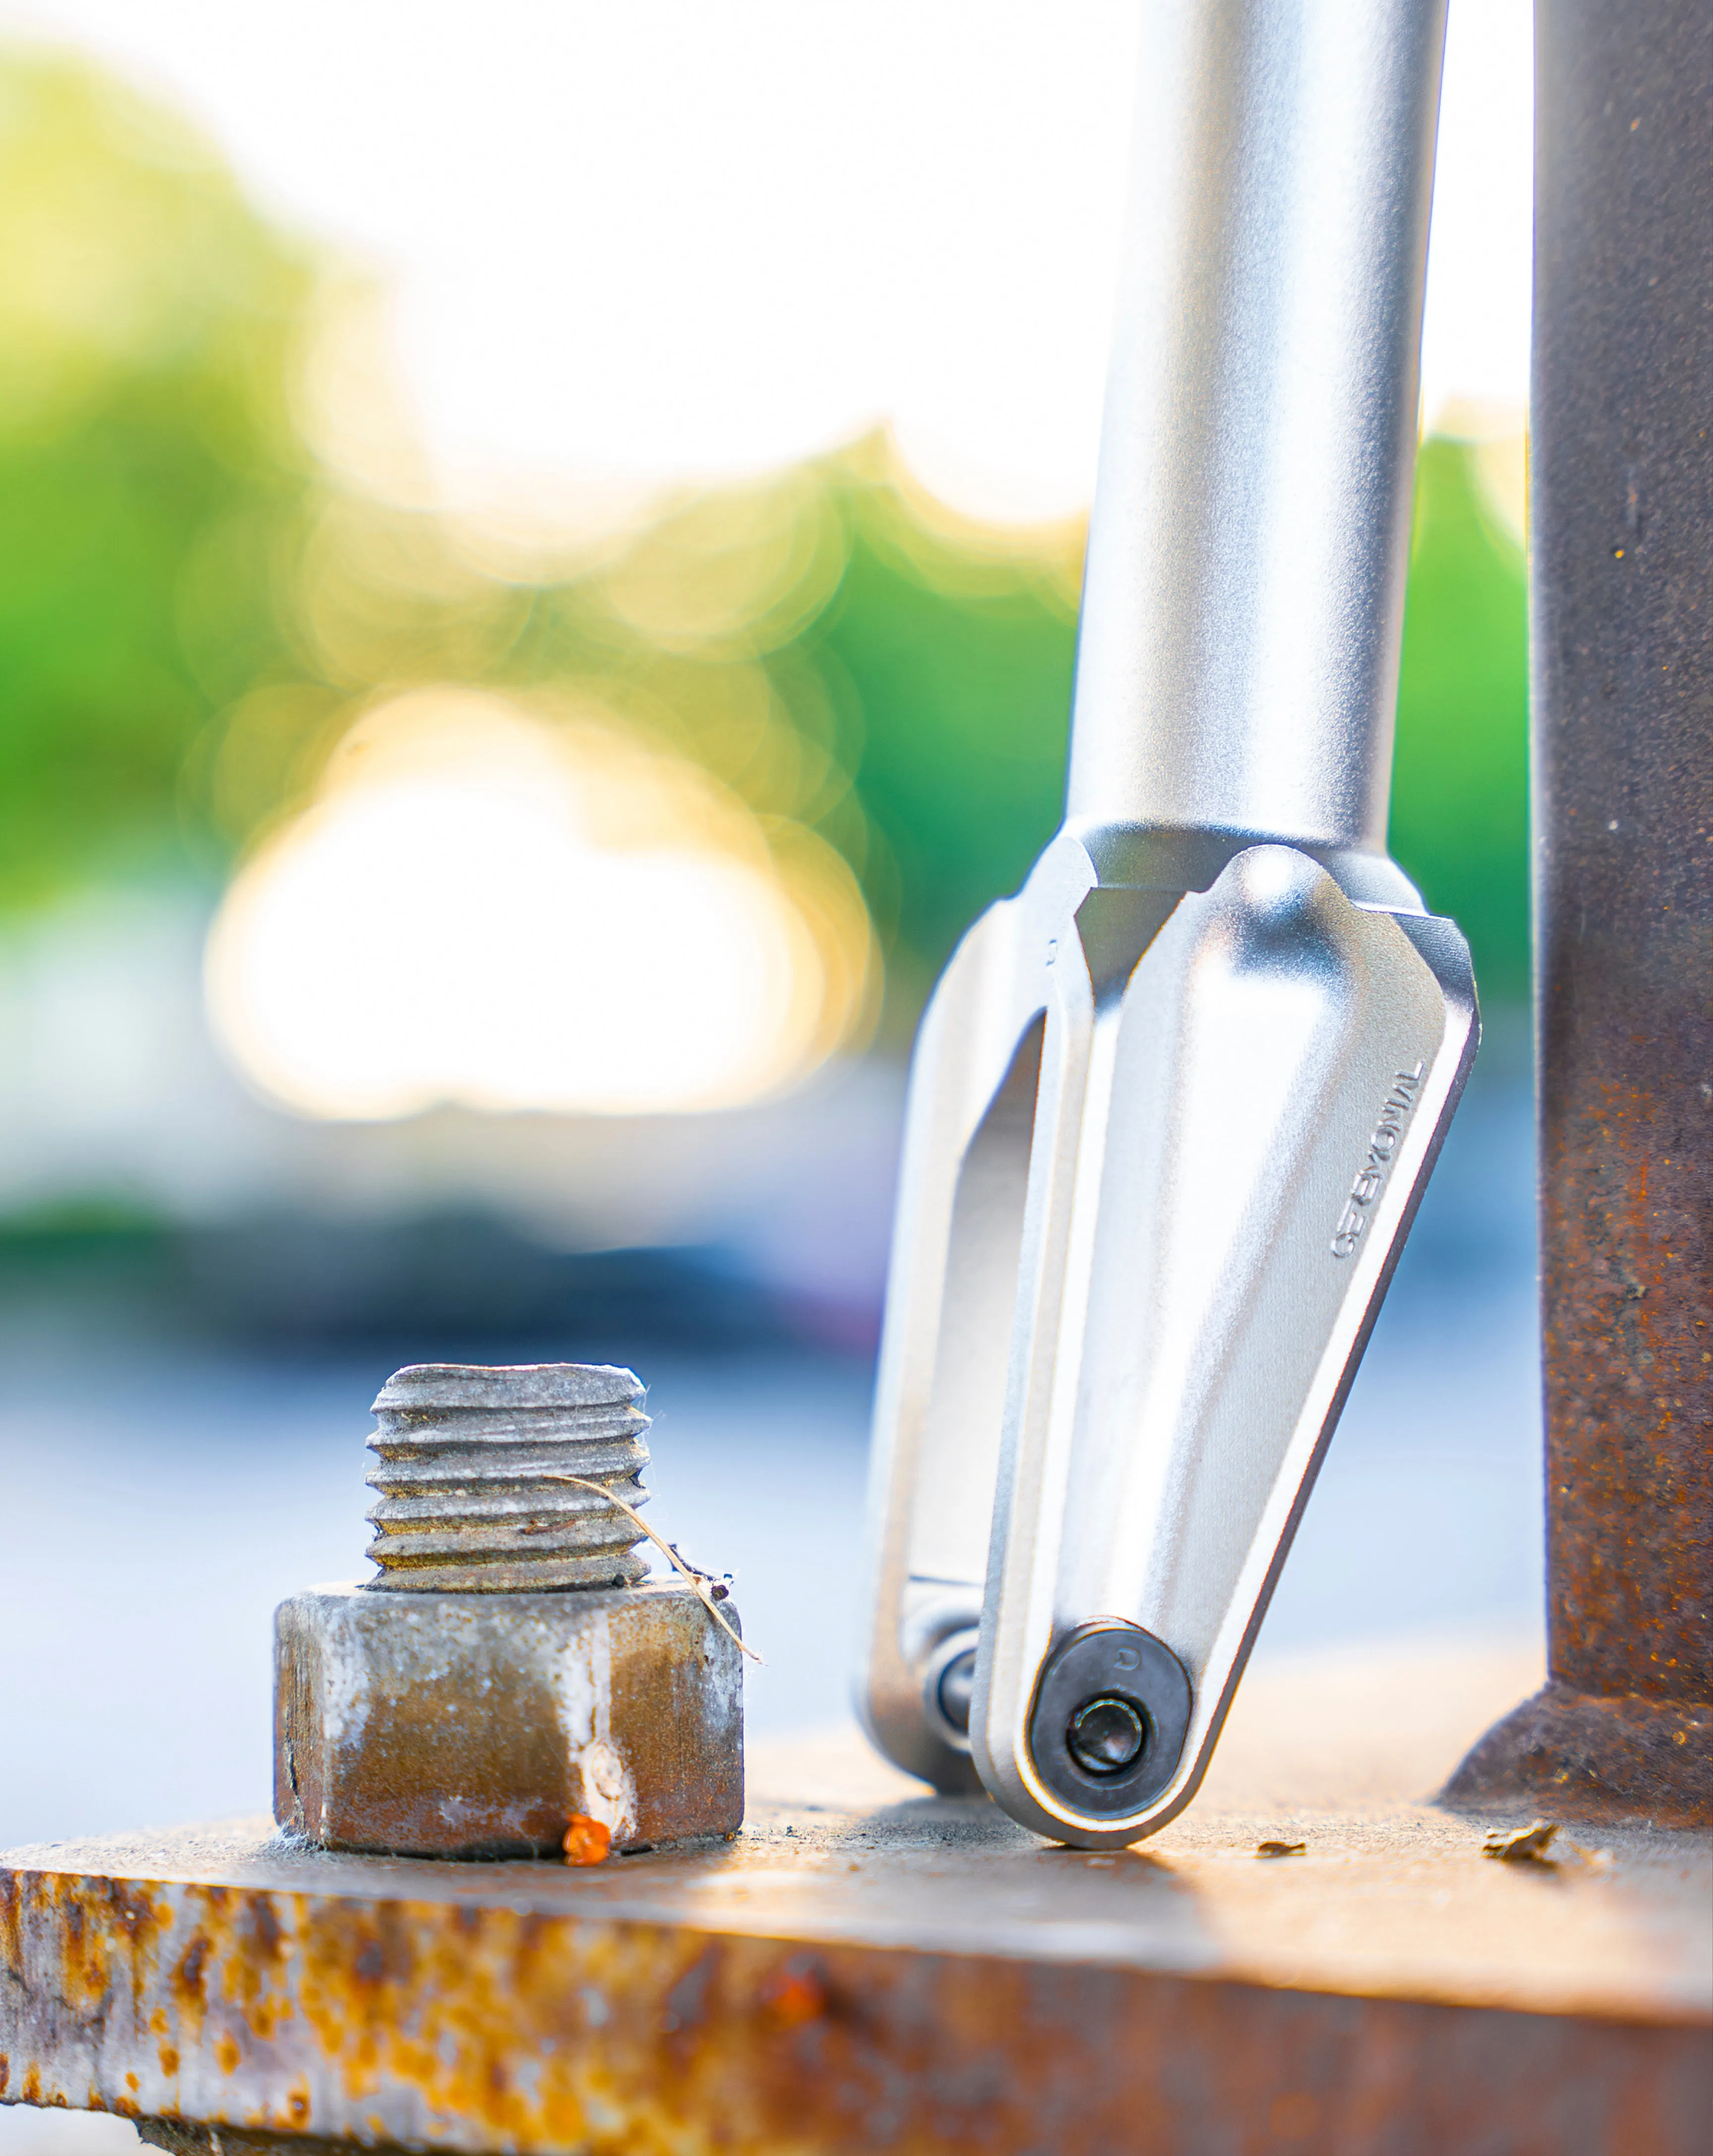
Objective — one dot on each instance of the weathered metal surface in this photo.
(1596, 1757)
(178, 2138)
(451, 1725)
(867, 1967)
(1623, 562)
(484, 1475)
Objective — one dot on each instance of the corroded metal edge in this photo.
(1594, 1759)
(484, 2028)
(179, 2136)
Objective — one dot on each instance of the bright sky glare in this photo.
(447, 924)
(635, 245)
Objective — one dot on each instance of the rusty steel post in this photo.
(1623, 696)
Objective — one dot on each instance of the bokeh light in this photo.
(487, 907)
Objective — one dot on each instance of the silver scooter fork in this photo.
(1182, 1094)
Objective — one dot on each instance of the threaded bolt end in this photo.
(473, 1462)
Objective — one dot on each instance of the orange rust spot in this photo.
(169, 2059)
(11, 1924)
(270, 1933)
(106, 1928)
(587, 1841)
(132, 2084)
(226, 2052)
(795, 1995)
(297, 2104)
(264, 2017)
(189, 1978)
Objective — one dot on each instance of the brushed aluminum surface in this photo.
(1243, 600)
(1142, 1236)
(1173, 1105)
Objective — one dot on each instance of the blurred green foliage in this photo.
(1460, 779)
(147, 463)
(190, 608)
(964, 688)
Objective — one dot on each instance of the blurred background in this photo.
(539, 562)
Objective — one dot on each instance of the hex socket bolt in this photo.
(1172, 1106)
(511, 1675)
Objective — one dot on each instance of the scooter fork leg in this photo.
(1003, 1054)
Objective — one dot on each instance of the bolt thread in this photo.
(474, 1462)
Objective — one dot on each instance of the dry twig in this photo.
(698, 1580)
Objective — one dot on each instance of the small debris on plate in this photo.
(1523, 1845)
(1280, 1848)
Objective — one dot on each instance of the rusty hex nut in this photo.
(480, 1725)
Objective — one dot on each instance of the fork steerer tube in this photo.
(1238, 664)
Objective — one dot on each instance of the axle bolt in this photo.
(1106, 1735)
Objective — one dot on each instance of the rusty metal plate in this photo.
(869, 1967)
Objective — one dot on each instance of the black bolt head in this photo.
(957, 1685)
(1106, 1734)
